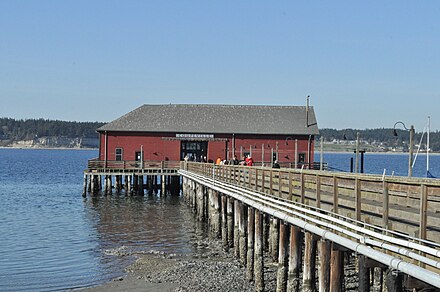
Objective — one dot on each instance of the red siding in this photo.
(156, 147)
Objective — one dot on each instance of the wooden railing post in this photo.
(290, 186)
(302, 192)
(385, 208)
(318, 191)
(270, 182)
(423, 211)
(256, 179)
(358, 199)
(335, 194)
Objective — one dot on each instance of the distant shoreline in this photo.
(46, 148)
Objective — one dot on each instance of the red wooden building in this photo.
(172, 131)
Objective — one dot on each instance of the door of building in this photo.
(194, 150)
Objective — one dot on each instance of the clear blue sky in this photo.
(365, 64)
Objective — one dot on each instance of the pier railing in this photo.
(409, 206)
(130, 165)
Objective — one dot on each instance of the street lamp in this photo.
(411, 139)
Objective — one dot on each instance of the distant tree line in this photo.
(17, 130)
(383, 136)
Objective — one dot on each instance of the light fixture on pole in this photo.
(411, 139)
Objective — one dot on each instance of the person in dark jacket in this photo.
(276, 164)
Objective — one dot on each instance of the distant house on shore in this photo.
(171, 132)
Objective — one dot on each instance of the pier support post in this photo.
(336, 269)
(236, 232)
(324, 247)
(126, 189)
(117, 183)
(230, 220)
(259, 264)
(89, 183)
(200, 204)
(283, 258)
(274, 238)
(216, 214)
(250, 243)
(364, 275)
(266, 232)
(163, 190)
(85, 186)
(295, 257)
(242, 231)
(224, 223)
(309, 264)
(135, 185)
(394, 281)
(109, 185)
(141, 185)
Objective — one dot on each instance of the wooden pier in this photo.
(133, 177)
(316, 219)
(308, 222)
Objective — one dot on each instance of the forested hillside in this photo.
(48, 133)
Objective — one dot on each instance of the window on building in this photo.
(118, 154)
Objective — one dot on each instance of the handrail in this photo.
(396, 206)
(356, 244)
(131, 164)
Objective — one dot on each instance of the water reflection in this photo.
(127, 225)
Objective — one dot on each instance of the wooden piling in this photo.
(336, 269)
(236, 232)
(216, 214)
(141, 185)
(224, 222)
(135, 186)
(242, 232)
(364, 275)
(85, 186)
(295, 257)
(274, 238)
(250, 242)
(394, 281)
(283, 258)
(258, 258)
(231, 221)
(109, 185)
(126, 189)
(309, 264)
(163, 189)
(89, 183)
(324, 247)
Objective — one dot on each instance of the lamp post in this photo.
(411, 142)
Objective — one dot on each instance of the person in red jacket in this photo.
(249, 161)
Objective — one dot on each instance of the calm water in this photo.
(376, 163)
(53, 239)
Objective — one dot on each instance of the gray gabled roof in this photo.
(212, 119)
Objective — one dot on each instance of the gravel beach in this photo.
(212, 270)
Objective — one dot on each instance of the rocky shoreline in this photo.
(212, 270)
